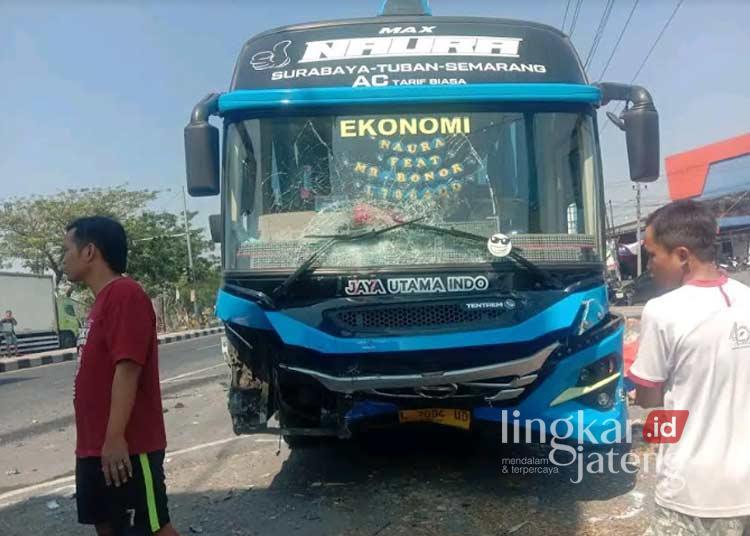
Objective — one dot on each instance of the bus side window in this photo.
(508, 168)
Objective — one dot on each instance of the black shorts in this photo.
(137, 508)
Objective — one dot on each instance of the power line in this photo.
(650, 51)
(631, 205)
(599, 33)
(619, 38)
(574, 20)
(681, 170)
(565, 18)
(737, 202)
(658, 38)
(625, 206)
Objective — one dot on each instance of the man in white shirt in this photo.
(694, 354)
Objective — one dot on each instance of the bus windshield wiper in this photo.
(515, 252)
(309, 263)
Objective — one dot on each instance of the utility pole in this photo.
(613, 241)
(638, 226)
(191, 273)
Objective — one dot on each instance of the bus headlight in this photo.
(596, 384)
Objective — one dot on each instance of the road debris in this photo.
(516, 528)
(381, 529)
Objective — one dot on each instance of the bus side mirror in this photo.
(642, 138)
(202, 159)
(640, 121)
(214, 225)
(202, 149)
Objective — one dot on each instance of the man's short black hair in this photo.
(688, 224)
(107, 235)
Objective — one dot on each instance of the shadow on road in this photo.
(405, 482)
(8, 381)
(67, 420)
(443, 483)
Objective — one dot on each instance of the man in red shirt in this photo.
(120, 443)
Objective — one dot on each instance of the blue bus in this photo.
(412, 227)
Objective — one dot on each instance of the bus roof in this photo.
(407, 51)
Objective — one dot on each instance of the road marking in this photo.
(204, 446)
(27, 369)
(59, 491)
(41, 485)
(171, 346)
(72, 361)
(206, 347)
(67, 479)
(192, 373)
(167, 380)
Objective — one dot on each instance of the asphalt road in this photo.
(37, 429)
(402, 482)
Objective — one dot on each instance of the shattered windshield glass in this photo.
(291, 180)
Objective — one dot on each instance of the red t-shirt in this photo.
(121, 325)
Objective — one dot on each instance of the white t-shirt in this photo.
(696, 342)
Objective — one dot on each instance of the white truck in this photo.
(45, 321)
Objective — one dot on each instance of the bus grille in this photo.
(416, 316)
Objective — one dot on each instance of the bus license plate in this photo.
(458, 418)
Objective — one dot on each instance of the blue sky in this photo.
(97, 93)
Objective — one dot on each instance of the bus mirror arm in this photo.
(202, 149)
(640, 122)
(214, 225)
(612, 91)
(616, 120)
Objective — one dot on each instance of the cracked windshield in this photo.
(375, 268)
(294, 181)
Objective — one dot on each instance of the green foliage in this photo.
(158, 258)
(32, 230)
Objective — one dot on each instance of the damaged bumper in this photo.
(521, 371)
